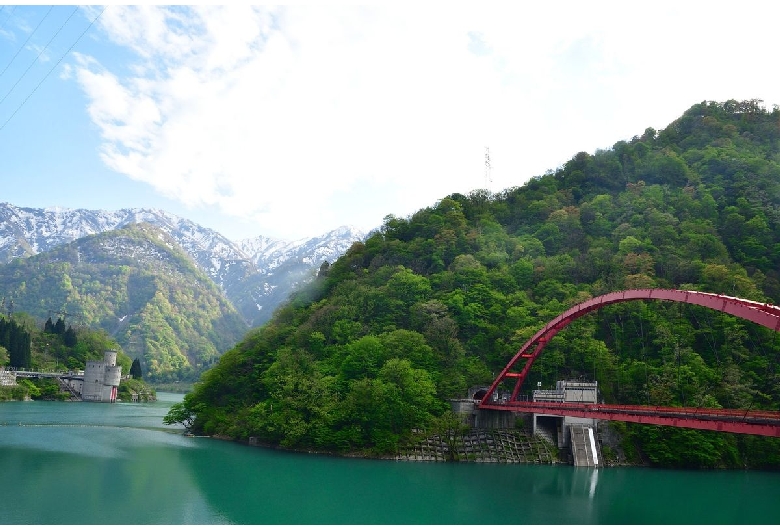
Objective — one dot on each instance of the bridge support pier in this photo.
(578, 435)
(484, 418)
(561, 426)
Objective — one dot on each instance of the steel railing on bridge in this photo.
(760, 422)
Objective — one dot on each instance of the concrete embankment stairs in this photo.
(482, 445)
(584, 447)
(64, 387)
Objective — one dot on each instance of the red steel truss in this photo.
(756, 422)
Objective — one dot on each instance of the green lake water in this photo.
(95, 463)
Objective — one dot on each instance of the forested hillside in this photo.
(139, 286)
(438, 302)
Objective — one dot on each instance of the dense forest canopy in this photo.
(433, 304)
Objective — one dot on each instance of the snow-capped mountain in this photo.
(256, 274)
(268, 254)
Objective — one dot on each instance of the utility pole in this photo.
(63, 314)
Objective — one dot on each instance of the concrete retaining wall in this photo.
(481, 445)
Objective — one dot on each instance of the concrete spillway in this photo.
(584, 449)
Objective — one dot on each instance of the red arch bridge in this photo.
(765, 423)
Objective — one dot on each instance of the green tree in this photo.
(19, 351)
(183, 412)
(135, 369)
(69, 338)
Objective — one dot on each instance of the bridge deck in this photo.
(26, 373)
(760, 422)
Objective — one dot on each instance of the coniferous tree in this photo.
(135, 369)
(69, 337)
(19, 352)
(48, 327)
(323, 269)
(59, 327)
(5, 330)
(26, 349)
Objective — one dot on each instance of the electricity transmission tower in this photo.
(488, 178)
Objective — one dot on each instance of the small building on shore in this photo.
(566, 392)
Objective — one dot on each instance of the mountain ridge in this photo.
(140, 286)
(234, 266)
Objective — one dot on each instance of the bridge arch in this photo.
(766, 315)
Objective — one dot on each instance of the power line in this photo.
(28, 40)
(8, 17)
(52, 69)
(39, 54)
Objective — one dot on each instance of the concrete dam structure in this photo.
(101, 379)
(578, 436)
(98, 382)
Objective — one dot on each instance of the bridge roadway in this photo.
(760, 422)
(25, 373)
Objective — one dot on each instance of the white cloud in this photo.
(282, 115)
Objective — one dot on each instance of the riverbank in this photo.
(476, 445)
(179, 387)
(509, 446)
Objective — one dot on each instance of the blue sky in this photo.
(289, 121)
